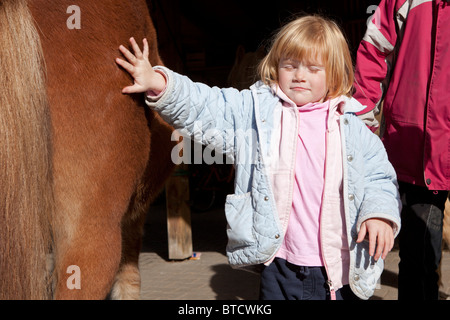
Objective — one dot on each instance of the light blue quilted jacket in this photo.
(212, 116)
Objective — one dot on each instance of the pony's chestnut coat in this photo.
(109, 155)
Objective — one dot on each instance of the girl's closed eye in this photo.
(289, 65)
(315, 69)
(292, 65)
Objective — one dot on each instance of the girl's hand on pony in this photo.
(139, 67)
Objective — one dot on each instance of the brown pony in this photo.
(80, 162)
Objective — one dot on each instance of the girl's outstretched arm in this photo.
(139, 67)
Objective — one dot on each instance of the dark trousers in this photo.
(420, 242)
(282, 280)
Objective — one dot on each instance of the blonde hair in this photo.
(307, 39)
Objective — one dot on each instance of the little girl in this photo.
(316, 200)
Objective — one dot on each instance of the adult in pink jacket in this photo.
(404, 61)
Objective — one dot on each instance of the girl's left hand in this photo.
(381, 237)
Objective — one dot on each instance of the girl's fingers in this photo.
(390, 244)
(373, 245)
(146, 50)
(127, 54)
(129, 89)
(362, 233)
(138, 54)
(384, 245)
(380, 247)
(126, 65)
(136, 88)
(136, 49)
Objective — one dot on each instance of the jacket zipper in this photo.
(332, 291)
(329, 282)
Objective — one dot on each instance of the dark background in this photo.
(199, 38)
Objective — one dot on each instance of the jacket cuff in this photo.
(152, 96)
(394, 223)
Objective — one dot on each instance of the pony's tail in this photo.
(26, 202)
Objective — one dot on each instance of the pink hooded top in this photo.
(328, 232)
(302, 242)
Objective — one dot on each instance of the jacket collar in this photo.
(341, 104)
(338, 106)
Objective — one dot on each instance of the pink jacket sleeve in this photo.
(373, 61)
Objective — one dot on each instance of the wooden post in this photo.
(179, 214)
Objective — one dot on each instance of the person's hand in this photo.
(380, 236)
(139, 67)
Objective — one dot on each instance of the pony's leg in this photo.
(127, 283)
(159, 168)
(87, 258)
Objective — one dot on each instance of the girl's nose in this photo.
(300, 73)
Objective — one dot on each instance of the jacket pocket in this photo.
(239, 214)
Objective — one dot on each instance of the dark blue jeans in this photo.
(282, 280)
(420, 242)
